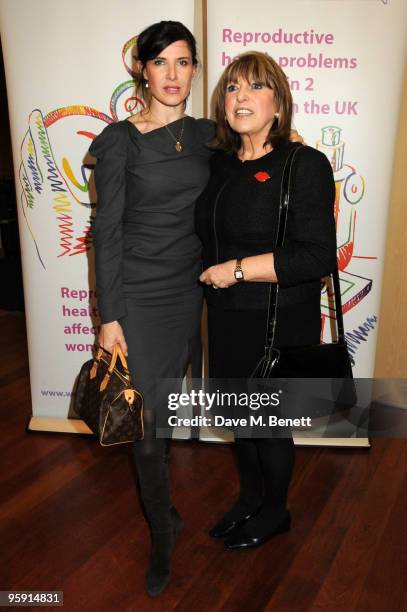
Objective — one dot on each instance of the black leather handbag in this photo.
(330, 360)
(106, 400)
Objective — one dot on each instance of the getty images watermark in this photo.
(220, 400)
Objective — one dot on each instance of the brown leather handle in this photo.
(96, 360)
(113, 360)
(122, 357)
(117, 352)
(99, 353)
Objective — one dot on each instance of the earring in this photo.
(277, 115)
(146, 84)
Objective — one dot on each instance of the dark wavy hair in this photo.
(253, 66)
(155, 39)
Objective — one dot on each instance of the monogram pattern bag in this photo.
(106, 400)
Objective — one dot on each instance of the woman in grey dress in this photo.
(150, 170)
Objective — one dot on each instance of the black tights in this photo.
(151, 456)
(265, 469)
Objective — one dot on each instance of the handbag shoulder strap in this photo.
(338, 305)
(274, 287)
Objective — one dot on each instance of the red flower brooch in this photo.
(262, 176)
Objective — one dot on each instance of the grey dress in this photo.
(147, 255)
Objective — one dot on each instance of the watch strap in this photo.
(238, 272)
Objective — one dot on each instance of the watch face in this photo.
(238, 274)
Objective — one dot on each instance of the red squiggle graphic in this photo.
(345, 251)
(90, 135)
(83, 243)
(65, 234)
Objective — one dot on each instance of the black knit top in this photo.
(236, 216)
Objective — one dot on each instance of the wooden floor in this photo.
(70, 520)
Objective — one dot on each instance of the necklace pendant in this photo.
(178, 147)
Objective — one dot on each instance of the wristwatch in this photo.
(239, 276)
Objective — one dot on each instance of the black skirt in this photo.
(236, 344)
(237, 337)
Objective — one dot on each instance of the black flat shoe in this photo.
(239, 539)
(226, 526)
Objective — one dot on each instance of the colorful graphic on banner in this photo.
(51, 183)
(350, 189)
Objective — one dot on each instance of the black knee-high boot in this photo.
(151, 458)
(154, 483)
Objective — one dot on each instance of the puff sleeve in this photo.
(309, 250)
(207, 130)
(110, 150)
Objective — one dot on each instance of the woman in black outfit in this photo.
(236, 219)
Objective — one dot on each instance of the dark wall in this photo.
(6, 161)
(11, 289)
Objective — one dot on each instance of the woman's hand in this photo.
(111, 334)
(220, 276)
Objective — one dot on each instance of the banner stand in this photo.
(77, 426)
(53, 122)
(44, 424)
(330, 56)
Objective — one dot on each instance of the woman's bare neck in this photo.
(155, 118)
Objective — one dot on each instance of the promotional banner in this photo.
(344, 60)
(69, 71)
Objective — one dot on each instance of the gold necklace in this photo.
(178, 145)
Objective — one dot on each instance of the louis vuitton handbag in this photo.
(106, 400)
